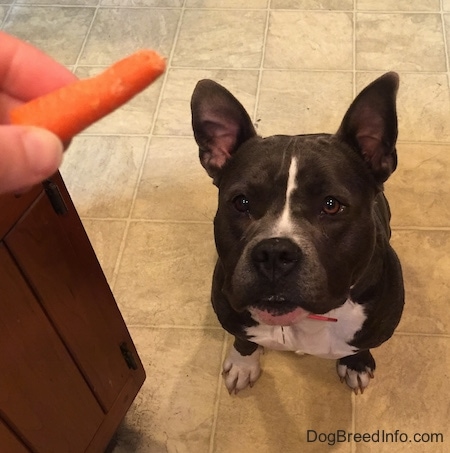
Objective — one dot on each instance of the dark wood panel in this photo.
(9, 442)
(12, 207)
(57, 259)
(43, 396)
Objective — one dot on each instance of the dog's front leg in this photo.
(241, 368)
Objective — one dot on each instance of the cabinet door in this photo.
(56, 258)
(43, 396)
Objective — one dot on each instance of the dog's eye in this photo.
(331, 206)
(241, 203)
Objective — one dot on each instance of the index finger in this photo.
(26, 72)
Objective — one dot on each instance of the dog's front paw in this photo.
(356, 370)
(240, 371)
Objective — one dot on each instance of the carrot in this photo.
(72, 108)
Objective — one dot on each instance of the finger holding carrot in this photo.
(72, 108)
(27, 154)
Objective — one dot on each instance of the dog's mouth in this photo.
(274, 319)
(270, 313)
(277, 310)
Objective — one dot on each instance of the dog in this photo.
(302, 233)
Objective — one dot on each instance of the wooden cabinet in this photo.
(68, 367)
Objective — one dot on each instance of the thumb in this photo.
(28, 155)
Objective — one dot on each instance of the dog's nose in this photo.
(275, 257)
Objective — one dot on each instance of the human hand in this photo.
(28, 155)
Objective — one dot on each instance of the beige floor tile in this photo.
(312, 4)
(406, 42)
(399, 5)
(106, 237)
(418, 190)
(293, 395)
(425, 257)
(135, 117)
(220, 39)
(58, 31)
(117, 32)
(165, 275)
(309, 40)
(423, 106)
(174, 410)
(174, 185)
(410, 394)
(174, 116)
(294, 102)
(3, 12)
(101, 174)
(446, 5)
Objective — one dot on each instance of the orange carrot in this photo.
(72, 108)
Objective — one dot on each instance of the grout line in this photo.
(261, 66)
(422, 334)
(158, 105)
(83, 45)
(426, 142)
(130, 134)
(175, 327)
(146, 153)
(143, 220)
(257, 68)
(446, 48)
(296, 69)
(75, 5)
(311, 10)
(420, 228)
(219, 389)
(8, 12)
(118, 262)
(398, 12)
(353, 400)
(50, 4)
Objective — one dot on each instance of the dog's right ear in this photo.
(220, 124)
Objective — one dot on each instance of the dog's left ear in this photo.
(370, 125)
(220, 124)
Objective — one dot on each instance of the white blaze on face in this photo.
(284, 224)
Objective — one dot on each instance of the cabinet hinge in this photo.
(128, 356)
(55, 197)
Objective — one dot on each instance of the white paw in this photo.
(356, 380)
(240, 371)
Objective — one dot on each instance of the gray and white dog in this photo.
(302, 233)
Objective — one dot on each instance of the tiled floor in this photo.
(148, 205)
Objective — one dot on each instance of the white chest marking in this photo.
(284, 224)
(320, 338)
